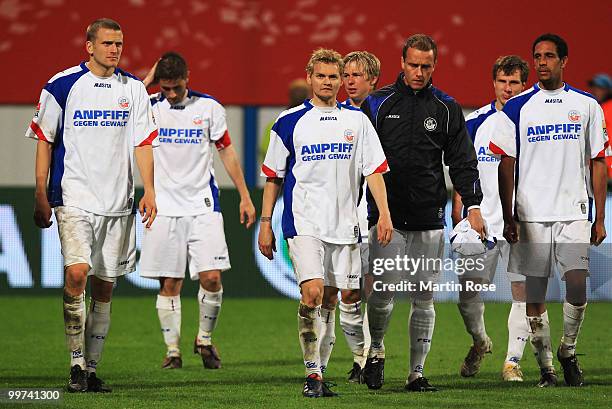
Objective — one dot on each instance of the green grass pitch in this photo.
(262, 367)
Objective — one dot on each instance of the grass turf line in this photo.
(257, 340)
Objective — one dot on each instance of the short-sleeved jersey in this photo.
(480, 127)
(184, 177)
(553, 135)
(322, 153)
(93, 124)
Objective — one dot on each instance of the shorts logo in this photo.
(430, 124)
(349, 135)
(574, 115)
(207, 202)
(197, 120)
(583, 208)
(356, 231)
(124, 103)
(37, 110)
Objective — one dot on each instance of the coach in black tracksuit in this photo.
(419, 126)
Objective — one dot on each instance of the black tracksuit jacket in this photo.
(418, 130)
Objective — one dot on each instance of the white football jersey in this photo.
(184, 177)
(362, 208)
(553, 135)
(322, 153)
(481, 128)
(93, 124)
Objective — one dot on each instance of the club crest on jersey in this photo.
(574, 115)
(430, 124)
(197, 120)
(124, 103)
(349, 135)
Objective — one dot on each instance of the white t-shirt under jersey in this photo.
(322, 153)
(184, 177)
(553, 135)
(93, 124)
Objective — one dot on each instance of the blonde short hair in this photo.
(325, 56)
(367, 60)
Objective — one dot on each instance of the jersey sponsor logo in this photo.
(483, 156)
(573, 115)
(553, 101)
(430, 124)
(184, 135)
(124, 103)
(555, 132)
(392, 116)
(101, 85)
(98, 117)
(323, 151)
(328, 118)
(349, 135)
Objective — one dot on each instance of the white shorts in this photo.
(542, 246)
(171, 242)
(486, 264)
(106, 243)
(338, 265)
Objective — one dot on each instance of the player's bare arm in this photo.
(598, 229)
(146, 206)
(266, 240)
(506, 191)
(384, 227)
(457, 208)
(232, 166)
(42, 210)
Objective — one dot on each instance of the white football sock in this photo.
(210, 306)
(309, 328)
(539, 331)
(379, 313)
(367, 339)
(169, 313)
(328, 336)
(572, 320)
(421, 327)
(96, 329)
(518, 332)
(74, 326)
(472, 312)
(353, 326)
